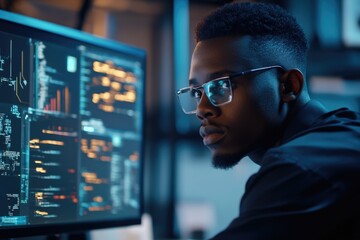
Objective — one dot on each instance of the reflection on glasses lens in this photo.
(218, 92)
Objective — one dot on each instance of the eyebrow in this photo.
(211, 76)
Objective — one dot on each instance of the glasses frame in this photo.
(229, 78)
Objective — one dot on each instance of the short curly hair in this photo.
(260, 20)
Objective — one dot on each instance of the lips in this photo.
(211, 134)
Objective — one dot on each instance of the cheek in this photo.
(246, 120)
(257, 107)
(265, 101)
(251, 106)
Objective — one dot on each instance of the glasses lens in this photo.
(219, 91)
(188, 99)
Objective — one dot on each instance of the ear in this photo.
(291, 84)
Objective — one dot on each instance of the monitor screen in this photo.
(71, 129)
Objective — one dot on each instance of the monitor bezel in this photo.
(16, 23)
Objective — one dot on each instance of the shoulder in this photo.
(333, 125)
(329, 150)
(340, 122)
(331, 145)
(299, 180)
(320, 162)
(326, 154)
(320, 165)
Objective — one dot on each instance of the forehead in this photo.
(222, 54)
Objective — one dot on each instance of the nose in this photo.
(205, 109)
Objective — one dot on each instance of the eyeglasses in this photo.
(218, 91)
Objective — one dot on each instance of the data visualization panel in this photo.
(53, 168)
(15, 64)
(110, 90)
(71, 128)
(57, 78)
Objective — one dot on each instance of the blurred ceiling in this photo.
(143, 6)
(151, 7)
(73, 13)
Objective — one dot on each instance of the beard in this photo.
(226, 161)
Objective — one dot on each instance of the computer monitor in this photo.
(71, 129)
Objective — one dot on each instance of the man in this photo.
(247, 87)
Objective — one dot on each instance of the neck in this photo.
(257, 156)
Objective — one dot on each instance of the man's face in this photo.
(250, 121)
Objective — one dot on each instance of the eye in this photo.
(195, 93)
